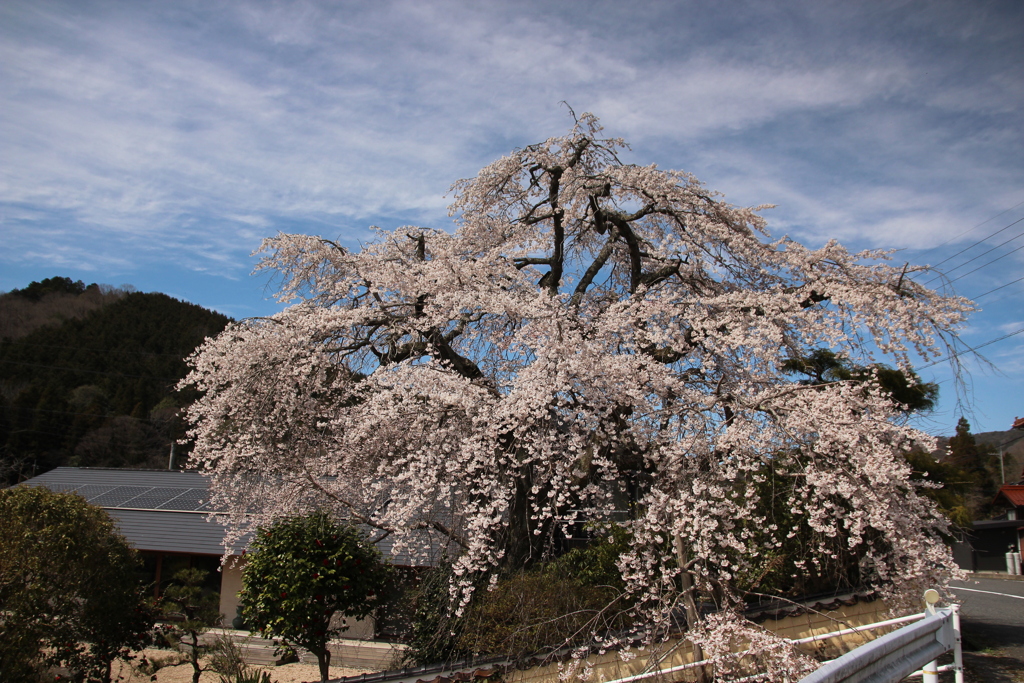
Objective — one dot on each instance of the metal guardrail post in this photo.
(900, 654)
(930, 671)
(887, 659)
(958, 653)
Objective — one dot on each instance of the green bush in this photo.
(528, 613)
(68, 587)
(304, 570)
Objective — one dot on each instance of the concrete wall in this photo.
(230, 585)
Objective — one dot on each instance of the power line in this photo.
(18, 342)
(981, 241)
(92, 372)
(972, 230)
(957, 354)
(986, 264)
(975, 298)
(978, 256)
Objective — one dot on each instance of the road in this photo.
(992, 622)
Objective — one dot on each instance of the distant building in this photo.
(164, 515)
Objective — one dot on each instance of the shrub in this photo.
(304, 570)
(68, 587)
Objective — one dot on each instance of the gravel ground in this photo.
(182, 673)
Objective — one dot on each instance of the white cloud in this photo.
(152, 123)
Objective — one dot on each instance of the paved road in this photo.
(992, 612)
(992, 619)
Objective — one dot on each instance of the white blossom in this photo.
(595, 336)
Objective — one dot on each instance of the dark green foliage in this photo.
(68, 587)
(194, 611)
(979, 463)
(304, 570)
(51, 285)
(823, 366)
(808, 562)
(98, 390)
(436, 632)
(50, 302)
(560, 604)
(957, 485)
(527, 613)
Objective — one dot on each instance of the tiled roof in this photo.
(1014, 493)
(781, 610)
(1018, 423)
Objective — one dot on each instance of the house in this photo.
(164, 515)
(1010, 498)
(989, 540)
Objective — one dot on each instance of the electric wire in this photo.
(91, 372)
(18, 342)
(981, 241)
(971, 260)
(957, 354)
(975, 298)
(959, 277)
(989, 220)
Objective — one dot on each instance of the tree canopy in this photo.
(301, 572)
(596, 340)
(68, 587)
(96, 389)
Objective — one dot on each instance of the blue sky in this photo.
(156, 143)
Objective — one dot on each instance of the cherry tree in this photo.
(595, 336)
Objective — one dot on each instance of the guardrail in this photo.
(901, 654)
(887, 659)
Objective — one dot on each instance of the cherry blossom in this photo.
(595, 341)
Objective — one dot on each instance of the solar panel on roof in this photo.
(191, 499)
(90, 491)
(64, 488)
(153, 498)
(118, 496)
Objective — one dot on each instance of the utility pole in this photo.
(1002, 452)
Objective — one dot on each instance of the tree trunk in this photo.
(689, 605)
(323, 660)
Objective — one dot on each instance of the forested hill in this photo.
(96, 389)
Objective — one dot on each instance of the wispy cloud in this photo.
(177, 135)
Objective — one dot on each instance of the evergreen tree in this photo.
(978, 463)
(82, 390)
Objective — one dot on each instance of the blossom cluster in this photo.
(596, 341)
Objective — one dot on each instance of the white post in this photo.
(930, 670)
(958, 653)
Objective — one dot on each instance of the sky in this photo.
(156, 143)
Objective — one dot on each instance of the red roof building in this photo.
(1010, 496)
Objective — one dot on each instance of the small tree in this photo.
(196, 609)
(301, 572)
(68, 588)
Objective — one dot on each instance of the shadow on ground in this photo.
(990, 668)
